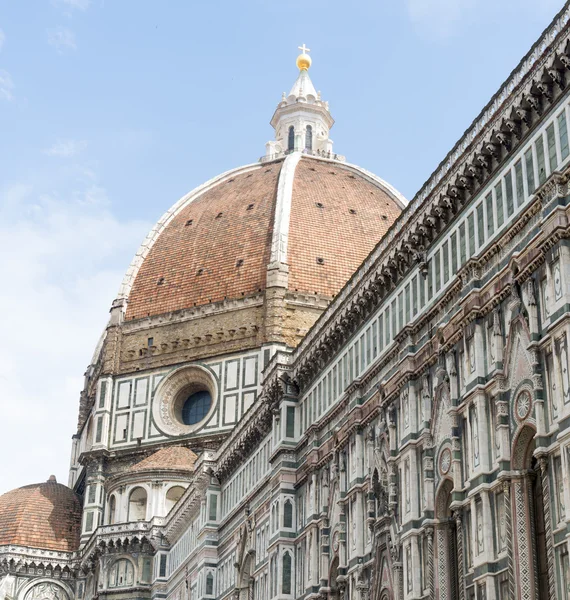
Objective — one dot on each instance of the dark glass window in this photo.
(453, 253)
(291, 139)
(563, 131)
(499, 196)
(552, 158)
(309, 138)
(520, 184)
(290, 422)
(480, 226)
(99, 433)
(286, 573)
(162, 566)
(445, 254)
(288, 514)
(437, 263)
(509, 193)
(541, 163)
(213, 513)
(471, 228)
(430, 279)
(210, 585)
(490, 220)
(196, 407)
(462, 244)
(529, 163)
(102, 394)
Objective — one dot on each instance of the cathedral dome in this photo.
(44, 515)
(312, 219)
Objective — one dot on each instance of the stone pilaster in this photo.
(543, 461)
(460, 562)
(431, 574)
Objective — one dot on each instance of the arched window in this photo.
(273, 575)
(286, 584)
(196, 407)
(121, 574)
(112, 509)
(288, 514)
(291, 139)
(209, 584)
(277, 520)
(309, 138)
(172, 496)
(137, 505)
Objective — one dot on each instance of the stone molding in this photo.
(538, 83)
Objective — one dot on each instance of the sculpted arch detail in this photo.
(45, 589)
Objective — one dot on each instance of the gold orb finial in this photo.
(304, 60)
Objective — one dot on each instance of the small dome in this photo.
(44, 515)
(174, 458)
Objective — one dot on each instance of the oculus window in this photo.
(196, 407)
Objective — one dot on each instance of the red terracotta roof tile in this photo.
(45, 515)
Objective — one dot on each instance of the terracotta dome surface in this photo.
(176, 458)
(44, 515)
(217, 242)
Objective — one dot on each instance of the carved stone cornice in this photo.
(23, 560)
(501, 127)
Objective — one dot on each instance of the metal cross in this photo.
(304, 49)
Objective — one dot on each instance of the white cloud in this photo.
(63, 259)
(2, 38)
(6, 85)
(66, 148)
(62, 39)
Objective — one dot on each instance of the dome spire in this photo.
(302, 120)
(304, 60)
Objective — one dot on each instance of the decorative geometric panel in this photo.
(525, 570)
(442, 565)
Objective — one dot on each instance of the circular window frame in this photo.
(523, 415)
(172, 393)
(445, 453)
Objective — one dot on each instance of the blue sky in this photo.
(110, 110)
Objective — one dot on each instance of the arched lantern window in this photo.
(291, 139)
(309, 138)
(288, 514)
(112, 509)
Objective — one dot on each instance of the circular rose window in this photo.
(445, 461)
(184, 400)
(523, 405)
